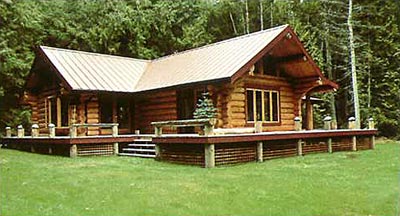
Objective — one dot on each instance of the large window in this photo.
(262, 105)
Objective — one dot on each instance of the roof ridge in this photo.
(222, 41)
(93, 53)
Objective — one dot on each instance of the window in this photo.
(262, 105)
(57, 111)
(266, 66)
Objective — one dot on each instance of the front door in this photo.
(186, 106)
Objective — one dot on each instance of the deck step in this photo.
(142, 145)
(143, 140)
(137, 155)
(138, 150)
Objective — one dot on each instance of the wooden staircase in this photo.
(140, 148)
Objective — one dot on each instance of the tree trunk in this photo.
(247, 17)
(261, 16)
(330, 76)
(272, 13)
(353, 65)
(233, 23)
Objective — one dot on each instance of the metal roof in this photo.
(92, 71)
(221, 60)
(215, 61)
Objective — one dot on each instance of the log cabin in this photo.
(258, 81)
(259, 77)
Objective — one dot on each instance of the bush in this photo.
(389, 128)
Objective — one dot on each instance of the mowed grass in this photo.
(345, 183)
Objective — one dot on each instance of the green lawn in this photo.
(346, 183)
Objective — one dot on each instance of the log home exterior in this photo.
(256, 77)
(103, 104)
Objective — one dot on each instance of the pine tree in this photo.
(205, 107)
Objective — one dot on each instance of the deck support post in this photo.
(115, 134)
(35, 130)
(330, 145)
(73, 151)
(158, 151)
(209, 155)
(116, 148)
(299, 147)
(260, 156)
(50, 150)
(32, 148)
(20, 131)
(52, 130)
(8, 131)
(354, 143)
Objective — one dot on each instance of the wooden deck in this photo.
(205, 151)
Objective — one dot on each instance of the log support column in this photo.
(260, 156)
(354, 143)
(300, 147)
(209, 155)
(309, 113)
(330, 145)
(73, 151)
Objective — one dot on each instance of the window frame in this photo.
(57, 104)
(264, 92)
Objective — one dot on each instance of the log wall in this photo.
(231, 102)
(160, 106)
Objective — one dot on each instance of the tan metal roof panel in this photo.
(215, 61)
(92, 71)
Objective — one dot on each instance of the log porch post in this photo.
(352, 126)
(35, 130)
(52, 130)
(20, 131)
(297, 123)
(371, 126)
(309, 113)
(8, 131)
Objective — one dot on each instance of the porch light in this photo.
(289, 36)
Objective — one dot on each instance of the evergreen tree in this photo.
(205, 107)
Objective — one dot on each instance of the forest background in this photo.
(152, 28)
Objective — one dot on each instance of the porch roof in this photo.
(226, 60)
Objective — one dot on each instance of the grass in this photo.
(345, 183)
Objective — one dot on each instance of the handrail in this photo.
(208, 125)
(113, 126)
